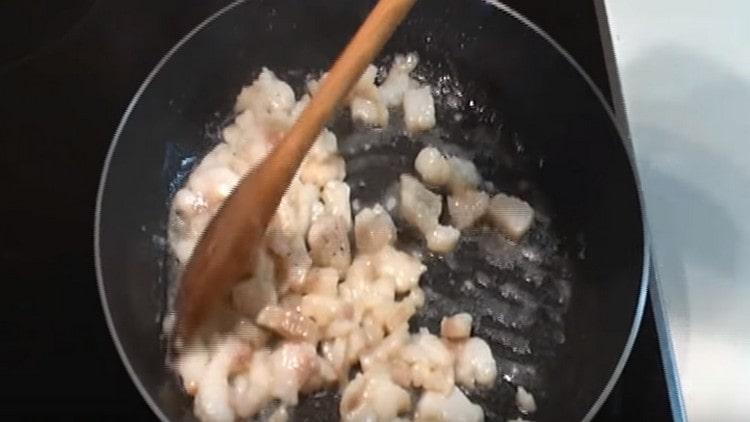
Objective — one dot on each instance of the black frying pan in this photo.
(532, 120)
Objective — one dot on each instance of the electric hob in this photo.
(67, 72)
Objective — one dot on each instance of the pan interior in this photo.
(531, 123)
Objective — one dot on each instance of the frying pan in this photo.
(523, 109)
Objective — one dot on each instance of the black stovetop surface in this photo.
(68, 69)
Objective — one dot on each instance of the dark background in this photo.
(68, 69)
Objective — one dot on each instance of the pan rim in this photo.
(643, 291)
(100, 195)
(646, 264)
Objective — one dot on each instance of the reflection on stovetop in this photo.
(64, 85)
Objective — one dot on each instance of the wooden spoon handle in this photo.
(229, 245)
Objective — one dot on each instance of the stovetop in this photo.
(67, 71)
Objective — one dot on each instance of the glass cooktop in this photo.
(68, 72)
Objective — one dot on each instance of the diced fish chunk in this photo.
(373, 229)
(454, 407)
(456, 327)
(466, 207)
(510, 215)
(419, 109)
(525, 401)
(475, 365)
(432, 166)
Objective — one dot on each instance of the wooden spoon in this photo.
(228, 248)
